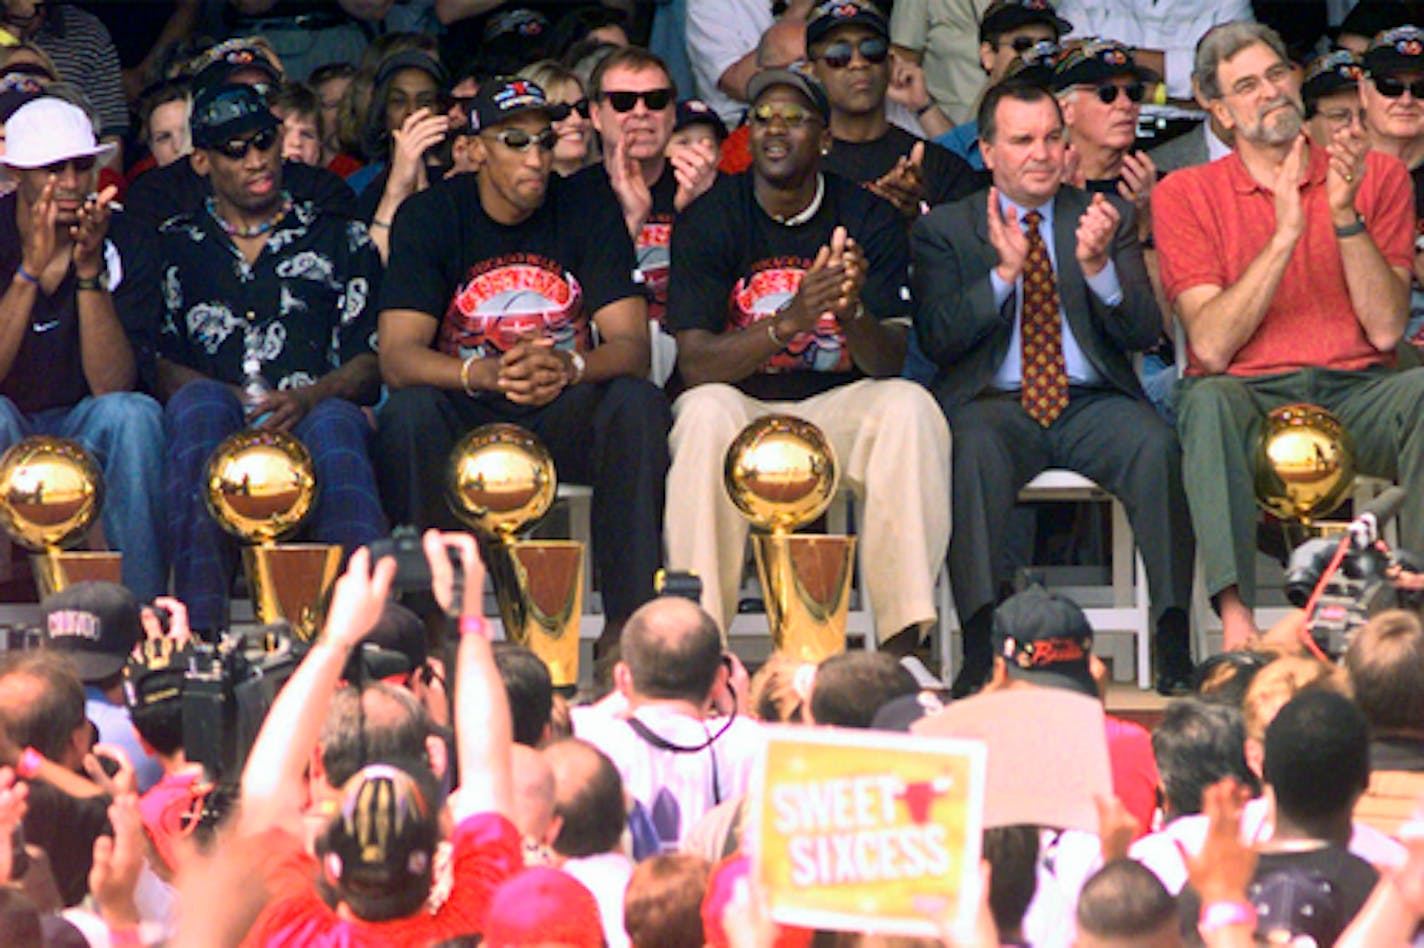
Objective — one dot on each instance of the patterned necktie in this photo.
(1044, 376)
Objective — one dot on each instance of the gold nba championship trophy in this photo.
(51, 490)
(1305, 468)
(260, 486)
(501, 481)
(781, 474)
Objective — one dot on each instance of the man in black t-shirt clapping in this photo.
(788, 295)
(495, 285)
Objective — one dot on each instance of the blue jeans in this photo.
(124, 432)
(347, 511)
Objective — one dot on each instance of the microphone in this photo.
(1365, 528)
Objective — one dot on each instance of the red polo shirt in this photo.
(1212, 221)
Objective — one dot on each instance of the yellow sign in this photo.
(852, 828)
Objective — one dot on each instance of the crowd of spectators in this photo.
(970, 240)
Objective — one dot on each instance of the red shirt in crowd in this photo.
(487, 850)
(1212, 221)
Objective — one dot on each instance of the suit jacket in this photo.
(1185, 151)
(967, 336)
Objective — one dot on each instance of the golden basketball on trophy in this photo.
(1305, 464)
(502, 481)
(261, 485)
(51, 492)
(780, 473)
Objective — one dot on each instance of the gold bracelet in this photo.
(465, 376)
(771, 331)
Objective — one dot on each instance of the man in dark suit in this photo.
(1029, 301)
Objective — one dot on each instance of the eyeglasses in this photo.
(1392, 88)
(236, 149)
(1108, 91)
(517, 139)
(873, 49)
(1339, 118)
(80, 165)
(1021, 44)
(655, 99)
(793, 115)
(581, 107)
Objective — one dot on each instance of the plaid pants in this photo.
(204, 555)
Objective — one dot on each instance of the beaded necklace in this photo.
(256, 230)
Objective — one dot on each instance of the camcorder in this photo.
(1359, 586)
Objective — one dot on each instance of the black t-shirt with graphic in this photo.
(302, 308)
(489, 284)
(732, 266)
(948, 177)
(653, 245)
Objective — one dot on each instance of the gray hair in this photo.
(1224, 41)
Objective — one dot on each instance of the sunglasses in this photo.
(655, 99)
(80, 165)
(581, 107)
(1022, 44)
(793, 115)
(517, 139)
(1392, 88)
(1108, 91)
(873, 49)
(236, 149)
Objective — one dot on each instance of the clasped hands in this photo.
(831, 285)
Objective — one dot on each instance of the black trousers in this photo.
(1117, 440)
(611, 436)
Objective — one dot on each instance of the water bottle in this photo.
(254, 390)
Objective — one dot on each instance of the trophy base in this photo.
(55, 570)
(539, 584)
(291, 581)
(805, 583)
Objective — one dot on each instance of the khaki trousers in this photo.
(892, 446)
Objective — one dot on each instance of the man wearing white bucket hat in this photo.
(67, 367)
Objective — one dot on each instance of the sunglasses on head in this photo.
(793, 115)
(873, 49)
(1392, 88)
(517, 139)
(81, 165)
(1107, 92)
(236, 148)
(655, 99)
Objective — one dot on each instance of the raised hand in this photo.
(695, 168)
(854, 266)
(37, 236)
(442, 571)
(819, 292)
(904, 184)
(1095, 234)
(118, 860)
(625, 176)
(1290, 215)
(88, 234)
(358, 599)
(1223, 867)
(421, 131)
(1007, 238)
(907, 84)
(1347, 150)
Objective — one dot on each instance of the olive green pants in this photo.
(1219, 420)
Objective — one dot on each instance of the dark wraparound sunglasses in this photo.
(236, 149)
(1107, 92)
(655, 99)
(873, 49)
(1392, 88)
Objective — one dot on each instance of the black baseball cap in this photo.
(807, 85)
(1097, 59)
(412, 59)
(1044, 638)
(503, 97)
(1005, 15)
(1336, 70)
(228, 59)
(697, 112)
(1034, 66)
(96, 624)
(1398, 50)
(834, 14)
(224, 112)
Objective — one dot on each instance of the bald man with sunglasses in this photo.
(496, 284)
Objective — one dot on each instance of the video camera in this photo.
(1345, 597)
